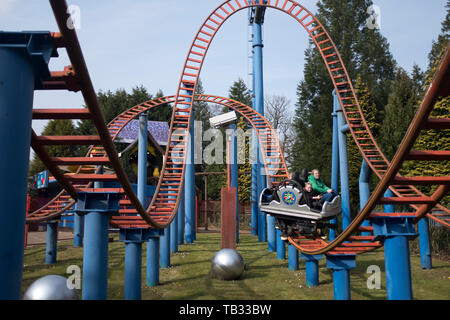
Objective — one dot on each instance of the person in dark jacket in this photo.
(312, 197)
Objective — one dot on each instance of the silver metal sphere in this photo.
(51, 287)
(227, 264)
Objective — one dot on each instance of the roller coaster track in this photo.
(163, 207)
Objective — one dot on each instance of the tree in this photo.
(279, 116)
(364, 51)
(400, 110)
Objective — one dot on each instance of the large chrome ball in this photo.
(227, 264)
(51, 287)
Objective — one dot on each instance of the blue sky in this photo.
(128, 43)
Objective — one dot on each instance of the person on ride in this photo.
(312, 197)
(320, 187)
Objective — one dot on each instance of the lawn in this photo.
(265, 276)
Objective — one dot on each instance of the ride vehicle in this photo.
(293, 211)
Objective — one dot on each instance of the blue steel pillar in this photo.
(343, 164)
(293, 257)
(52, 245)
(181, 219)
(133, 246)
(174, 234)
(78, 222)
(424, 243)
(164, 260)
(271, 234)
(396, 233)
(97, 208)
(281, 246)
(24, 61)
(312, 269)
(364, 190)
(235, 173)
(189, 182)
(258, 91)
(341, 266)
(335, 158)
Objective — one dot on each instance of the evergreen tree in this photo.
(400, 110)
(364, 51)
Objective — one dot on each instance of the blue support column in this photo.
(396, 232)
(293, 257)
(259, 107)
(164, 260)
(97, 207)
(424, 243)
(24, 61)
(189, 182)
(343, 165)
(341, 266)
(271, 234)
(181, 220)
(133, 270)
(335, 157)
(133, 247)
(52, 246)
(364, 190)
(78, 230)
(235, 173)
(153, 267)
(312, 269)
(281, 246)
(174, 234)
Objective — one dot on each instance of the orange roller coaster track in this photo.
(163, 207)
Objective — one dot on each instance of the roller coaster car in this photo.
(289, 205)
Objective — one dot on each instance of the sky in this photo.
(145, 42)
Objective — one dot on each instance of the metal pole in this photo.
(312, 269)
(52, 242)
(271, 234)
(164, 261)
(396, 257)
(424, 243)
(78, 221)
(335, 158)
(174, 235)
(133, 249)
(293, 257)
(133, 270)
(341, 266)
(281, 246)
(364, 190)
(343, 167)
(95, 256)
(234, 173)
(17, 80)
(181, 220)
(259, 107)
(189, 184)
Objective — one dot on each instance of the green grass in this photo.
(265, 277)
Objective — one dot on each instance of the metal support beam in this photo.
(21, 65)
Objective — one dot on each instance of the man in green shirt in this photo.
(319, 186)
